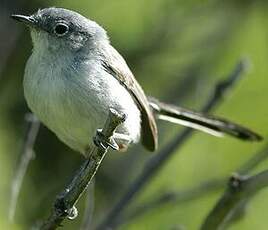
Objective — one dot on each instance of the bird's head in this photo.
(58, 28)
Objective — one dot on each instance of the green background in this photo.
(177, 50)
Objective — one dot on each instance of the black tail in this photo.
(206, 123)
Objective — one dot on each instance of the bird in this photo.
(74, 76)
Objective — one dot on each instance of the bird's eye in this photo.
(61, 29)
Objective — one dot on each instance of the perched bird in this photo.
(74, 76)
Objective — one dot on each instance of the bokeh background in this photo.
(177, 50)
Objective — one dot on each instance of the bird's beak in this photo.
(28, 20)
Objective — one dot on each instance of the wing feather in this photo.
(114, 64)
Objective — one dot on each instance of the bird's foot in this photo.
(103, 142)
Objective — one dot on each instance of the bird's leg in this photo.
(122, 140)
(122, 137)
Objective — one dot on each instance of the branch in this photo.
(176, 197)
(65, 201)
(27, 154)
(155, 163)
(239, 191)
(235, 213)
(10, 35)
(254, 161)
(229, 215)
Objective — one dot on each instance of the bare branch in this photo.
(27, 154)
(176, 197)
(239, 191)
(254, 161)
(65, 201)
(155, 163)
(226, 216)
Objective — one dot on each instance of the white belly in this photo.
(74, 104)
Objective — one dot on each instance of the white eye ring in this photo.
(61, 29)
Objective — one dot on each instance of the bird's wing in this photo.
(115, 65)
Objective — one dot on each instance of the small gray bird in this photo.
(74, 76)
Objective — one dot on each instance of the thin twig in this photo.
(176, 197)
(226, 216)
(10, 35)
(27, 154)
(239, 191)
(155, 163)
(65, 201)
(254, 161)
(89, 209)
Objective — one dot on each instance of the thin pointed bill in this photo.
(28, 20)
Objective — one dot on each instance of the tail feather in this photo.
(206, 123)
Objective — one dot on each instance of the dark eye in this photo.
(61, 29)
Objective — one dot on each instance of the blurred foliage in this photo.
(177, 50)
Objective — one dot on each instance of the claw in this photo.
(72, 213)
(103, 142)
(112, 144)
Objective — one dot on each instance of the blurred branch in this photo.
(196, 191)
(226, 214)
(240, 189)
(176, 197)
(155, 163)
(89, 209)
(9, 34)
(254, 161)
(65, 201)
(27, 154)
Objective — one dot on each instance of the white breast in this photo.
(73, 100)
